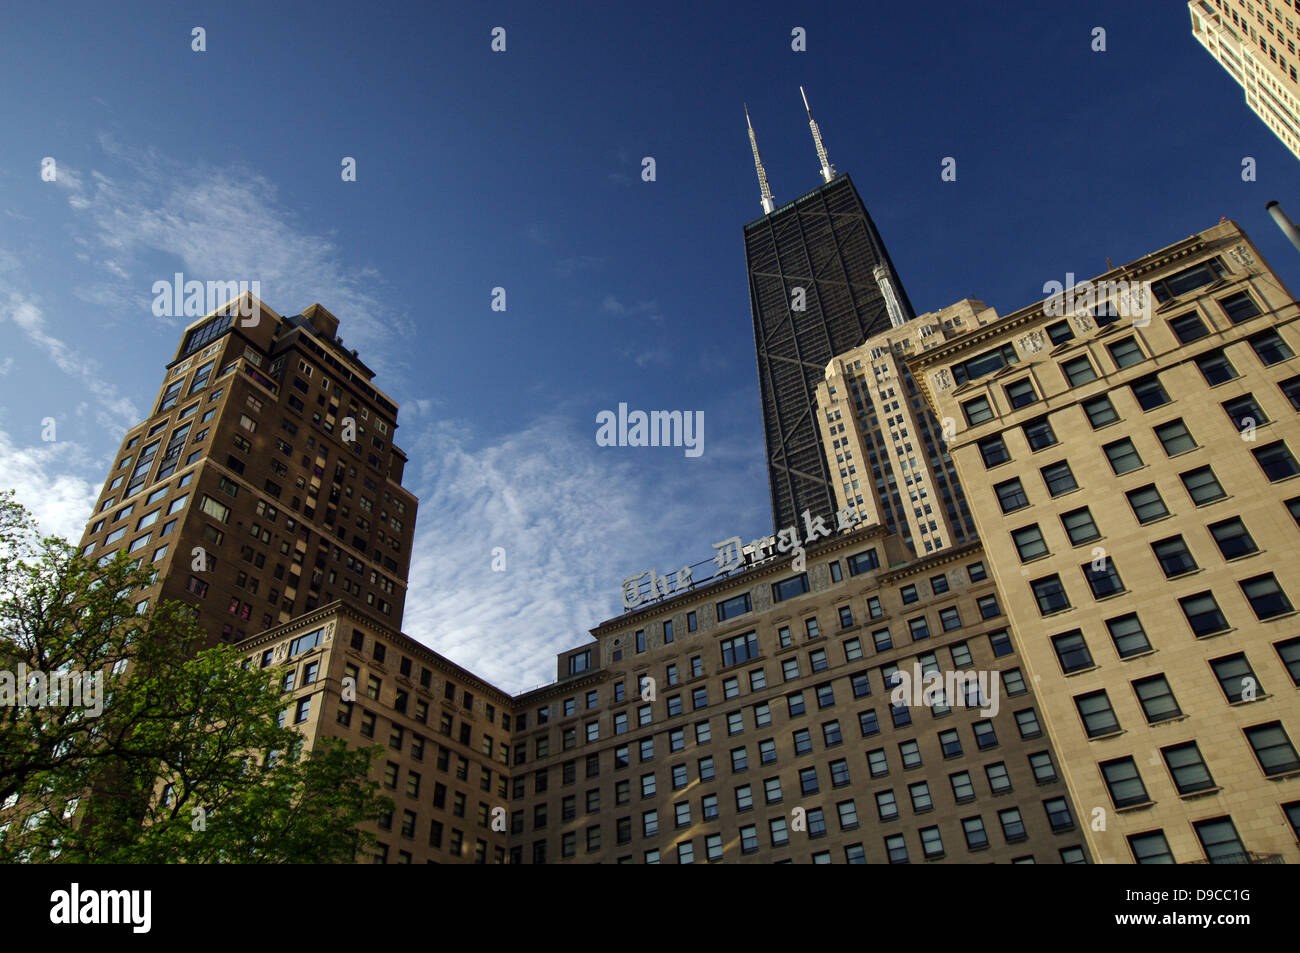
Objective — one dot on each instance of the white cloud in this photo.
(43, 477)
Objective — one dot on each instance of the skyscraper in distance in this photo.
(820, 283)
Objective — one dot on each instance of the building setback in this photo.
(885, 440)
(1256, 44)
(1134, 482)
(240, 488)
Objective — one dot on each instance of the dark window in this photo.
(1147, 503)
(1079, 526)
(1050, 594)
(1157, 699)
(1174, 556)
(1175, 437)
(1244, 412)
(977, 410)
(1149, 392)
(1098, 717)
(1126, 353)
(1270, 348)
(1021, 393)
(785, 589)
(1072, 651)
(1039, 434)
(1123, 456)
(1124, 782)
(1232, 538)
(1189, 279)
(1103, 579)
(1203, 613)
(1078, 370)
(1216, 368)
(736, 605)
(1100, 411)
(1059, 478)
(1276, 461)
(1188, 327)
(1202, 486)
(1239, 307)
(994, 451)
(1011, 495)
(1266, 596)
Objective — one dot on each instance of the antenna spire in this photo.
(828, 170)
(768, 204)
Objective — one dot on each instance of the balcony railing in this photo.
(1244, 857)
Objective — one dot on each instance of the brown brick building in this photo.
(246, 487)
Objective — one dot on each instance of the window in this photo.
(1244, 413)
(739, 649)
(1202, 486)
(1021, 393)
(1039, 434)
(1270, 348)
(1146, 503)
(1188, 327)
(1273, 749)
(1059, 332)
(1029, 543)
(1175, 437)
(1291, 391)
(1124, 782)
(1219, 839)
(1236, 678)
(1125, 353)
(1189, 279)
(886, 805)
(1289, 652)
(1100, 411)
(1050, 594)
(1149, 393)
(1203, 614)
(1128, 635)
(1044, 770)
(1157, 699)
(1276, 461)
(1239, 307)
(1216, 368)
(785, 589)
(736, 605)
(1011, 495)
(993, 451)
(1123, 456)
(1058, 478)
(1150, 848)
(1079, 526)
(1072, 651)
(1098, 717)
(950, 741)
(1078, 371)
(986, 363)
(1013, 825)
(1265, 596)
(1174, 556)
(863, 562)
(1232, 538)
(896, 849)
(977, 410)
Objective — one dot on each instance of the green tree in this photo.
(180, 759)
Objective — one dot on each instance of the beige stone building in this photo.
(1255, 42)
(749, 719)
(446, 733)
(1135, 486)
(884, 441)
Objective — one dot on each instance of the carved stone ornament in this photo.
(281, 651)
(1082, 322)
(943, 381)
(1242, 256)
(1033, 342)
(329, 633)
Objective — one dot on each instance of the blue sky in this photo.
(521, 169)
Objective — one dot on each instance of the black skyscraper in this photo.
(825, 244)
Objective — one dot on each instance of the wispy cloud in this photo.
(113, 411)
(223, 223)
(572, 520)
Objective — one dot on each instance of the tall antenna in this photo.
(768, 204)
(828, 170)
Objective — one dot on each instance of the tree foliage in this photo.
(186, 761)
